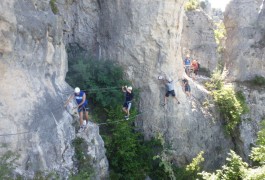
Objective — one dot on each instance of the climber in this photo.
(128, 100)
(186, 87)
(195, 68)
(186, 64)
(82, 105)
(170, 90)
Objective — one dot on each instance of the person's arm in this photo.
(69, 99)
(124, 90)
(83, 100)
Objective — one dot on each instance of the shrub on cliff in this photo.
(192, 5)
(230, 104)
(235, 168)
(54, 7)
(258, 81)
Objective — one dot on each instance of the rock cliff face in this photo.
(244, 21)
(198, 39)
(33, 64)
(144, 36)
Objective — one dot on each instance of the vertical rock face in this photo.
(244, 21)
(96, 151)
(32, 76)
(245, 39)
(144, 37)
(33, 65)
(81, 23)
(198, 38)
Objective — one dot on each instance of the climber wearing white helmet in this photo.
(82, 105)
(128, 100)
(170, 90)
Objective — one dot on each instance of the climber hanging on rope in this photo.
(128, 100)
(82, 105)
(169, 83)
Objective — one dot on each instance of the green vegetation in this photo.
(192, 5)
(258, 81)
(220, 35)
(7, 164)
(236, 169)
(258, 153)
(194, 167)
(231, 104)
(102, 77)
(41, 176)
(129, 155)
(54, 7)
(83, 161)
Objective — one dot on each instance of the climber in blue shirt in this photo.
(82, 105)
(187, 64)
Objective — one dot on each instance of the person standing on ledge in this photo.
(128, 100)
(82, 105)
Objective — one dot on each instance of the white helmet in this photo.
(129, 88)
(169, 79)
(77, 90)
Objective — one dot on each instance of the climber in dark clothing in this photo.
(186, 87)
(128, 100)
(170, 90)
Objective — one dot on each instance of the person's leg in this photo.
(174, 95)
(81, 118)
(124, 108)
(166, 96)
(128, 109)
(86, 113)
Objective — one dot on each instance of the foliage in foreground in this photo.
(236, 169)
(131, 157)
(258, 153)
(7, 164)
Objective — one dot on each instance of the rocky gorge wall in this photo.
(244, 57)
(145, 37)
(198, 39)
(33, 64)
(244, 22)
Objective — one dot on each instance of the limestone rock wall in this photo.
(244, 56)
(145, 38)
(81, 24)
(245, 39)
(33, 64)
(198, 39)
